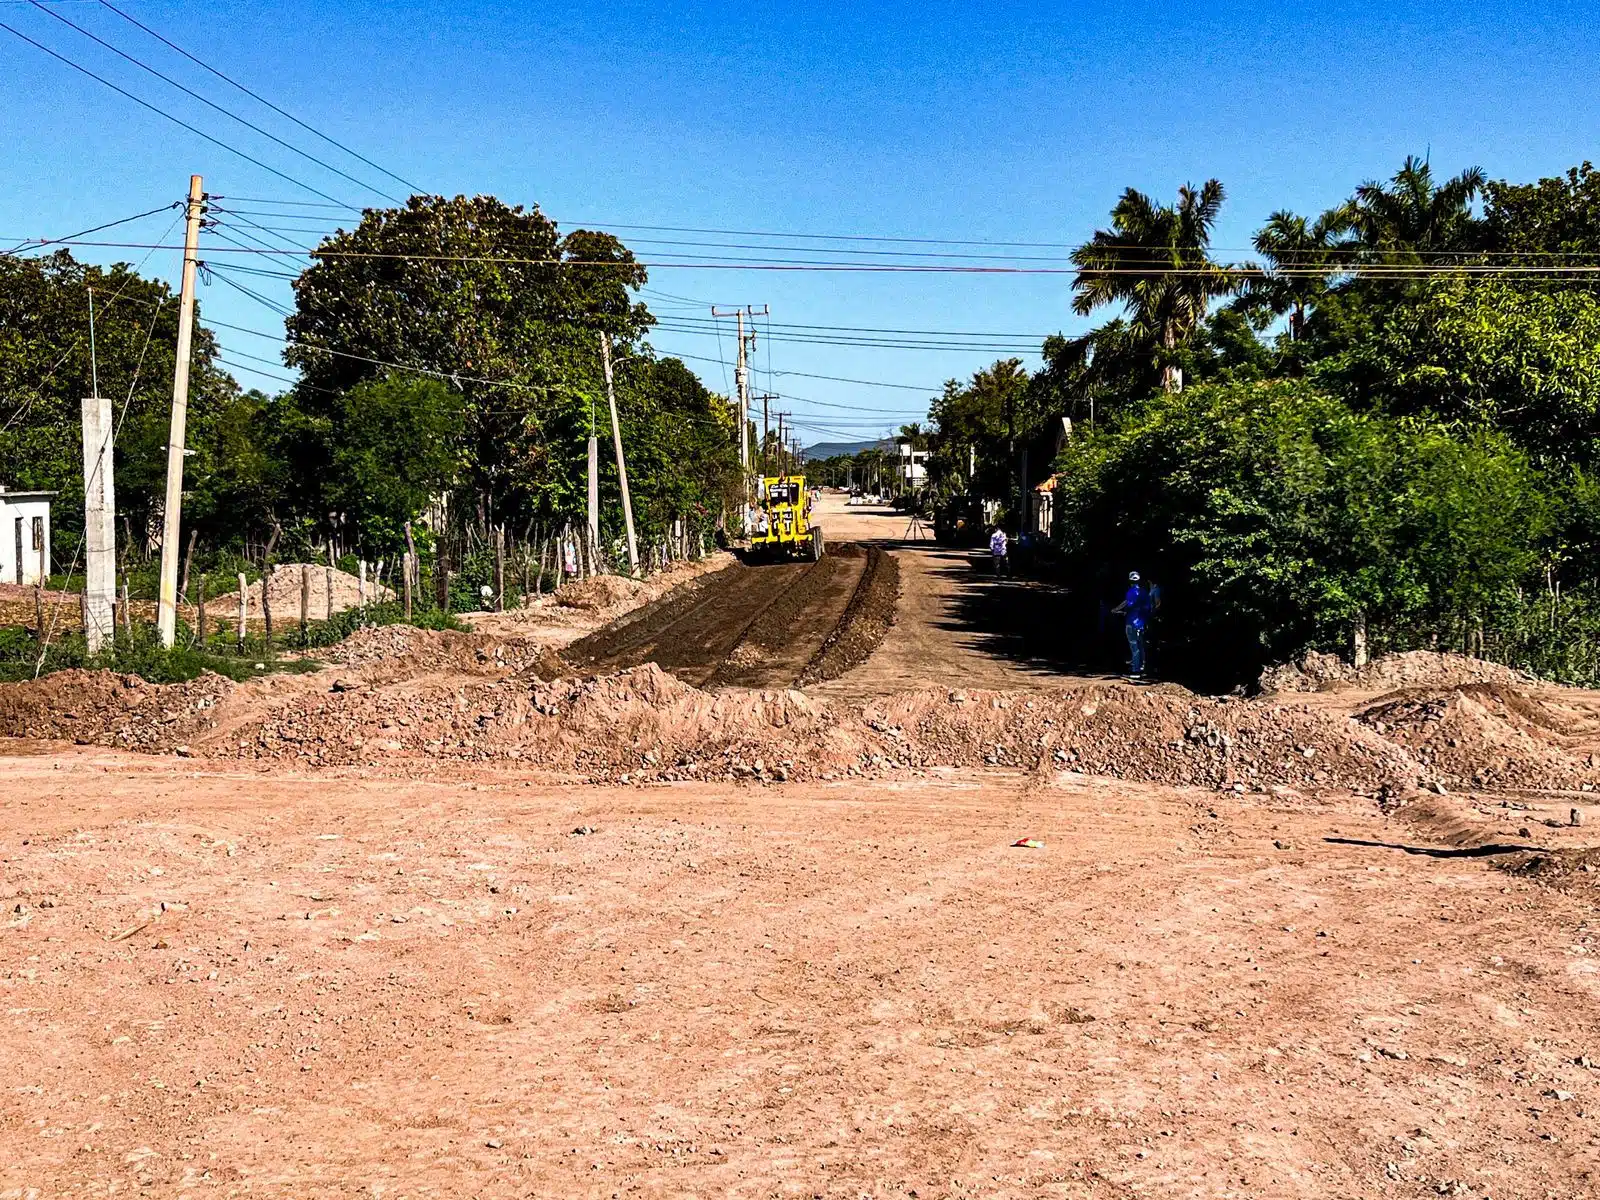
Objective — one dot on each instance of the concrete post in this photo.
(99, 524)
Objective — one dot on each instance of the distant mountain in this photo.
(834, 449)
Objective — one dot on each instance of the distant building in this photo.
(24, 536)
(913, 466)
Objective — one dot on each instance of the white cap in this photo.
(1133, 577)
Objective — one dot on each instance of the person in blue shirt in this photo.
(1138, 604)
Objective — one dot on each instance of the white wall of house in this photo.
(24, 536)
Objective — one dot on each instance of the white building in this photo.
(24, 536)
(913, 466)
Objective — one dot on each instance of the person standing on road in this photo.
(997, 549)
(1137, 606)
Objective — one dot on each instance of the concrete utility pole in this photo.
(622, 466)
(99, 524)
(167, 608)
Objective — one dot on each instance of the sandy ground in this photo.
(385, 987)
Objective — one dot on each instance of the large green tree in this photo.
(46, 368)
(1301, 259)
(492, 299)
(1273, 514)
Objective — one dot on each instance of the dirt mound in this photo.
(400, 692)
(285, 594)
(107, 709)
(865, 623)
(602, 591)
(1414, 668)
(441, 650)
(1484, 735)
(1155, 735)
(639, 722)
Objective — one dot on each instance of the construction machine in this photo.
(781, 523)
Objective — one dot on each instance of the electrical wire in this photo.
(258, 98)
(1366, 270)
(190, 92)
(35, 243)
(165, 115)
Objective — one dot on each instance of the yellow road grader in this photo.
(780, 520)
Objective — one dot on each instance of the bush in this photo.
(1273, 515)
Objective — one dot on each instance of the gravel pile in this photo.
(599, 592)
(1485, 735)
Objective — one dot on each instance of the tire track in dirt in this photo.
(741, 627)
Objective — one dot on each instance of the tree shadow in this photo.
(1489, 851)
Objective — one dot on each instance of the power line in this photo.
(262, 100)
(165, 115)
(144, 66)
(35, 243)
(1372, 270)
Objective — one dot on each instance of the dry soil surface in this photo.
(329, 984)
(932, 640)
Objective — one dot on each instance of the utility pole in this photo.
(622, 467)
(594, 480)
(741, 378)
(766, 398)
(99, 524)
(782, 445)
(167, 609)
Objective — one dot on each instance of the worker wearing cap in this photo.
(1137, 606)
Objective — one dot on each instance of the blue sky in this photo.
(1017, 123)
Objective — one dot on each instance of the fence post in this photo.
(200, 613)
(267, 572)
(305, 605)
(244, 607)
(499, 568)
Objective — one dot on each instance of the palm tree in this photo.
(1412, 218)
(1301, 257)
(1156, 261)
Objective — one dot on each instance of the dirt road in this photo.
(955, 625)
(368, 985)
(744, 626)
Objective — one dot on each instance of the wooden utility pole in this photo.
(408, 566)
(741, 376)
(622, 466)
(594, 479)
(499, 568)
(167, 607)
(766, 399)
